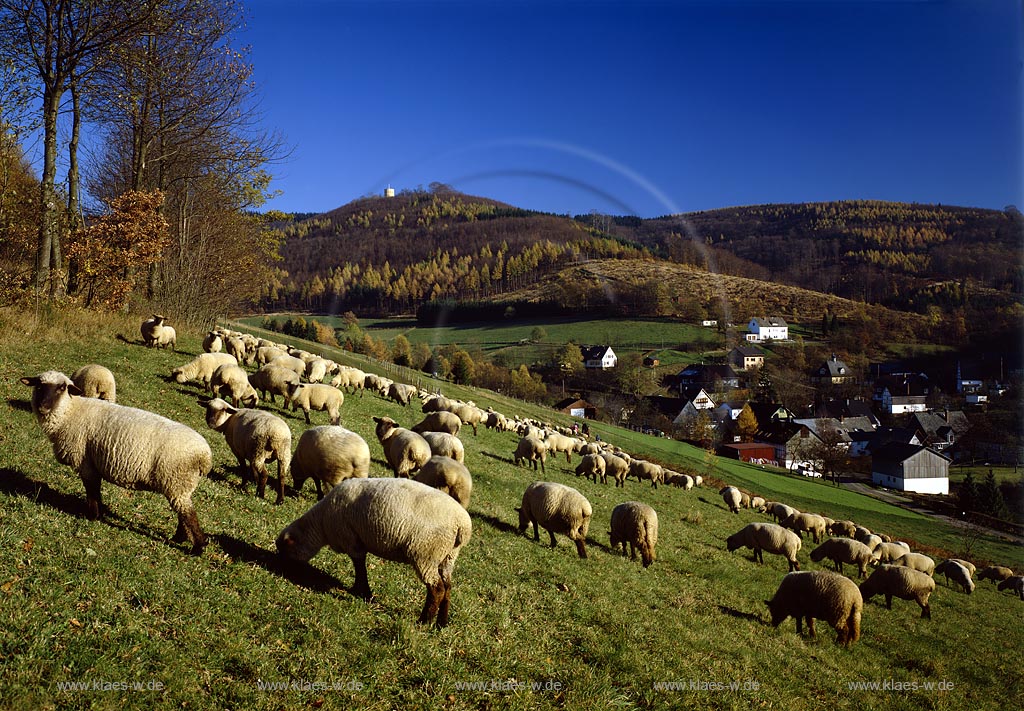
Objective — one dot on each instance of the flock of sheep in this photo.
(420, 517)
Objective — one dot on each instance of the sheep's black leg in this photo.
(810, 626)
(553, 542)
(445, 604)
(432, 604)
(926, 611)
(319, 489)
(362, 585)
(581, 547)
(93, 498)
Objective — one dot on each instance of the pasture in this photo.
(110, 614)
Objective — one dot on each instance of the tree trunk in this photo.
(74, 222)
(48, 197)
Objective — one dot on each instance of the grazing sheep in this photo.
(405, 450)
(844, 550)
(917, 561)
(647, 470)
(955, 570)
(558, 509)
(756, 502)
(819, 594)
(495, 421)
(780, 512)
(435, 403)
(236, 382)
(236, 347)
(812, 523)
(635, 523)
(888, 552)
(292, 363)
(556, 443)
(440, 421)
(531, 449)
(469, 414)
(1015, 584)
(134, 449)
(401, 393)
(769, 537)
(698, 480)
(744, 500)
(872, 541)
(95, 381)
(316, 370)
(316, 396)
(902, 582)
(449, 476)
(201, 368)
(843, 528)
(155, 333)
(971, 568)
(995, 573)
(592, 466)
(732, 497)
(352, 378)
(273, 380)
(213, 343)
(445, 445)
(328, 455)
(616, 466)
(265, 354)
(395, 519)
(256, 437)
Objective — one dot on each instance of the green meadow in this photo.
(110, 614)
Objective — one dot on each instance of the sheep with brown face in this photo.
(902, 582)
(821, 594)
(255, 437)
(761, 536)
(558, 509)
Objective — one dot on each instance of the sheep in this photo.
(531, 449)
(95, 381)
(236, 382)
(698, 480)
(861, 534)
(971, 568)
(273, 380)
(446, 445)
(316, 370)
(201, 368)
(642, 469)
(350, 378)
(132, 448)
(213, 343)
(995, 573)
(888, 552)
(469, 414)
(405, 450)
(155, 333)
(329, 454)
(236, 347)
(820, 594)
(374, 382)
(902, 582)
(872, 541)
(395, 519)
(447, 475)
(683, 481)
(844, 550)
(441, 421)
(843, 528)
(556, 443)
(592, 466)
(955, 570)
(496, 421)
(801, 522)
(401, 393)
(265, 354)
(744, 500)
(635, 523)
(558, 509)
(732, 497)
(436, 403)
(770, 537)
(1015, 584)
(780, 512)
(256, 437)
(316, 396)
(591, 448)
(917, 561)
(292, 363)
(756, 502)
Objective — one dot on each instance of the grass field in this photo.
(134, 622)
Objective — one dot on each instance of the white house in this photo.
(602, 357)
(909, 467)
(772, 328)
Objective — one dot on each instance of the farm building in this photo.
(772, 328)
(910, 467)
(602, 357)
(753, 452)
(574, 407)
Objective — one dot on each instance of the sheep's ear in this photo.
(377, 420)
(203, 402)
(74, 390)
(31, 381)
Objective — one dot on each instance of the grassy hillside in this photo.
(114, 602)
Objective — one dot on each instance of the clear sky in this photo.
(647, 107)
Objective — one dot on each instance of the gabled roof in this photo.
(595, 352)
(841, 409)
(814, 424)
(778, 432)
(670, 407)
(770, 322)
(747, 352)
(769, 412)
(692, 392)
(888, 435)
(899, 452)
(834, 368)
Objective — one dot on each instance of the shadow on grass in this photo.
(495, 523)
(19, 404)
(733, 612)
(302, 574)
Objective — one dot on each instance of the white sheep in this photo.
(440, 421)
(405, 450)
(917, 561)
(447, 475)
(273, 380)
(94, 380)
(888, 552)
(971, 568)
(316, 369)
(267, 353)
(292, 363)
(156, 333)
(780, 512)
(760, 536)
(592, 466)
(235, 382)
(134, 449)
(531, 449)
(329, 454)
(995, 573)
(819, 594)
(958, 572)
(256, 437)
(556, 443)
(395, 519)
(446, 445)
(616, 466)
(236, 347)
(756, 502)
(902, 582)
(316, 396)
(496, 421)
(843, 528)
(636, 524)
(201, 368)
(812, 523)
(1014, 583)
(352, 378)
(435, 403)
(845, 550)
(402, 393)
(558, 509)
(642, 470)
(213, 342)
(732, 497)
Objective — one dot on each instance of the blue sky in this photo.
(647, 107)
